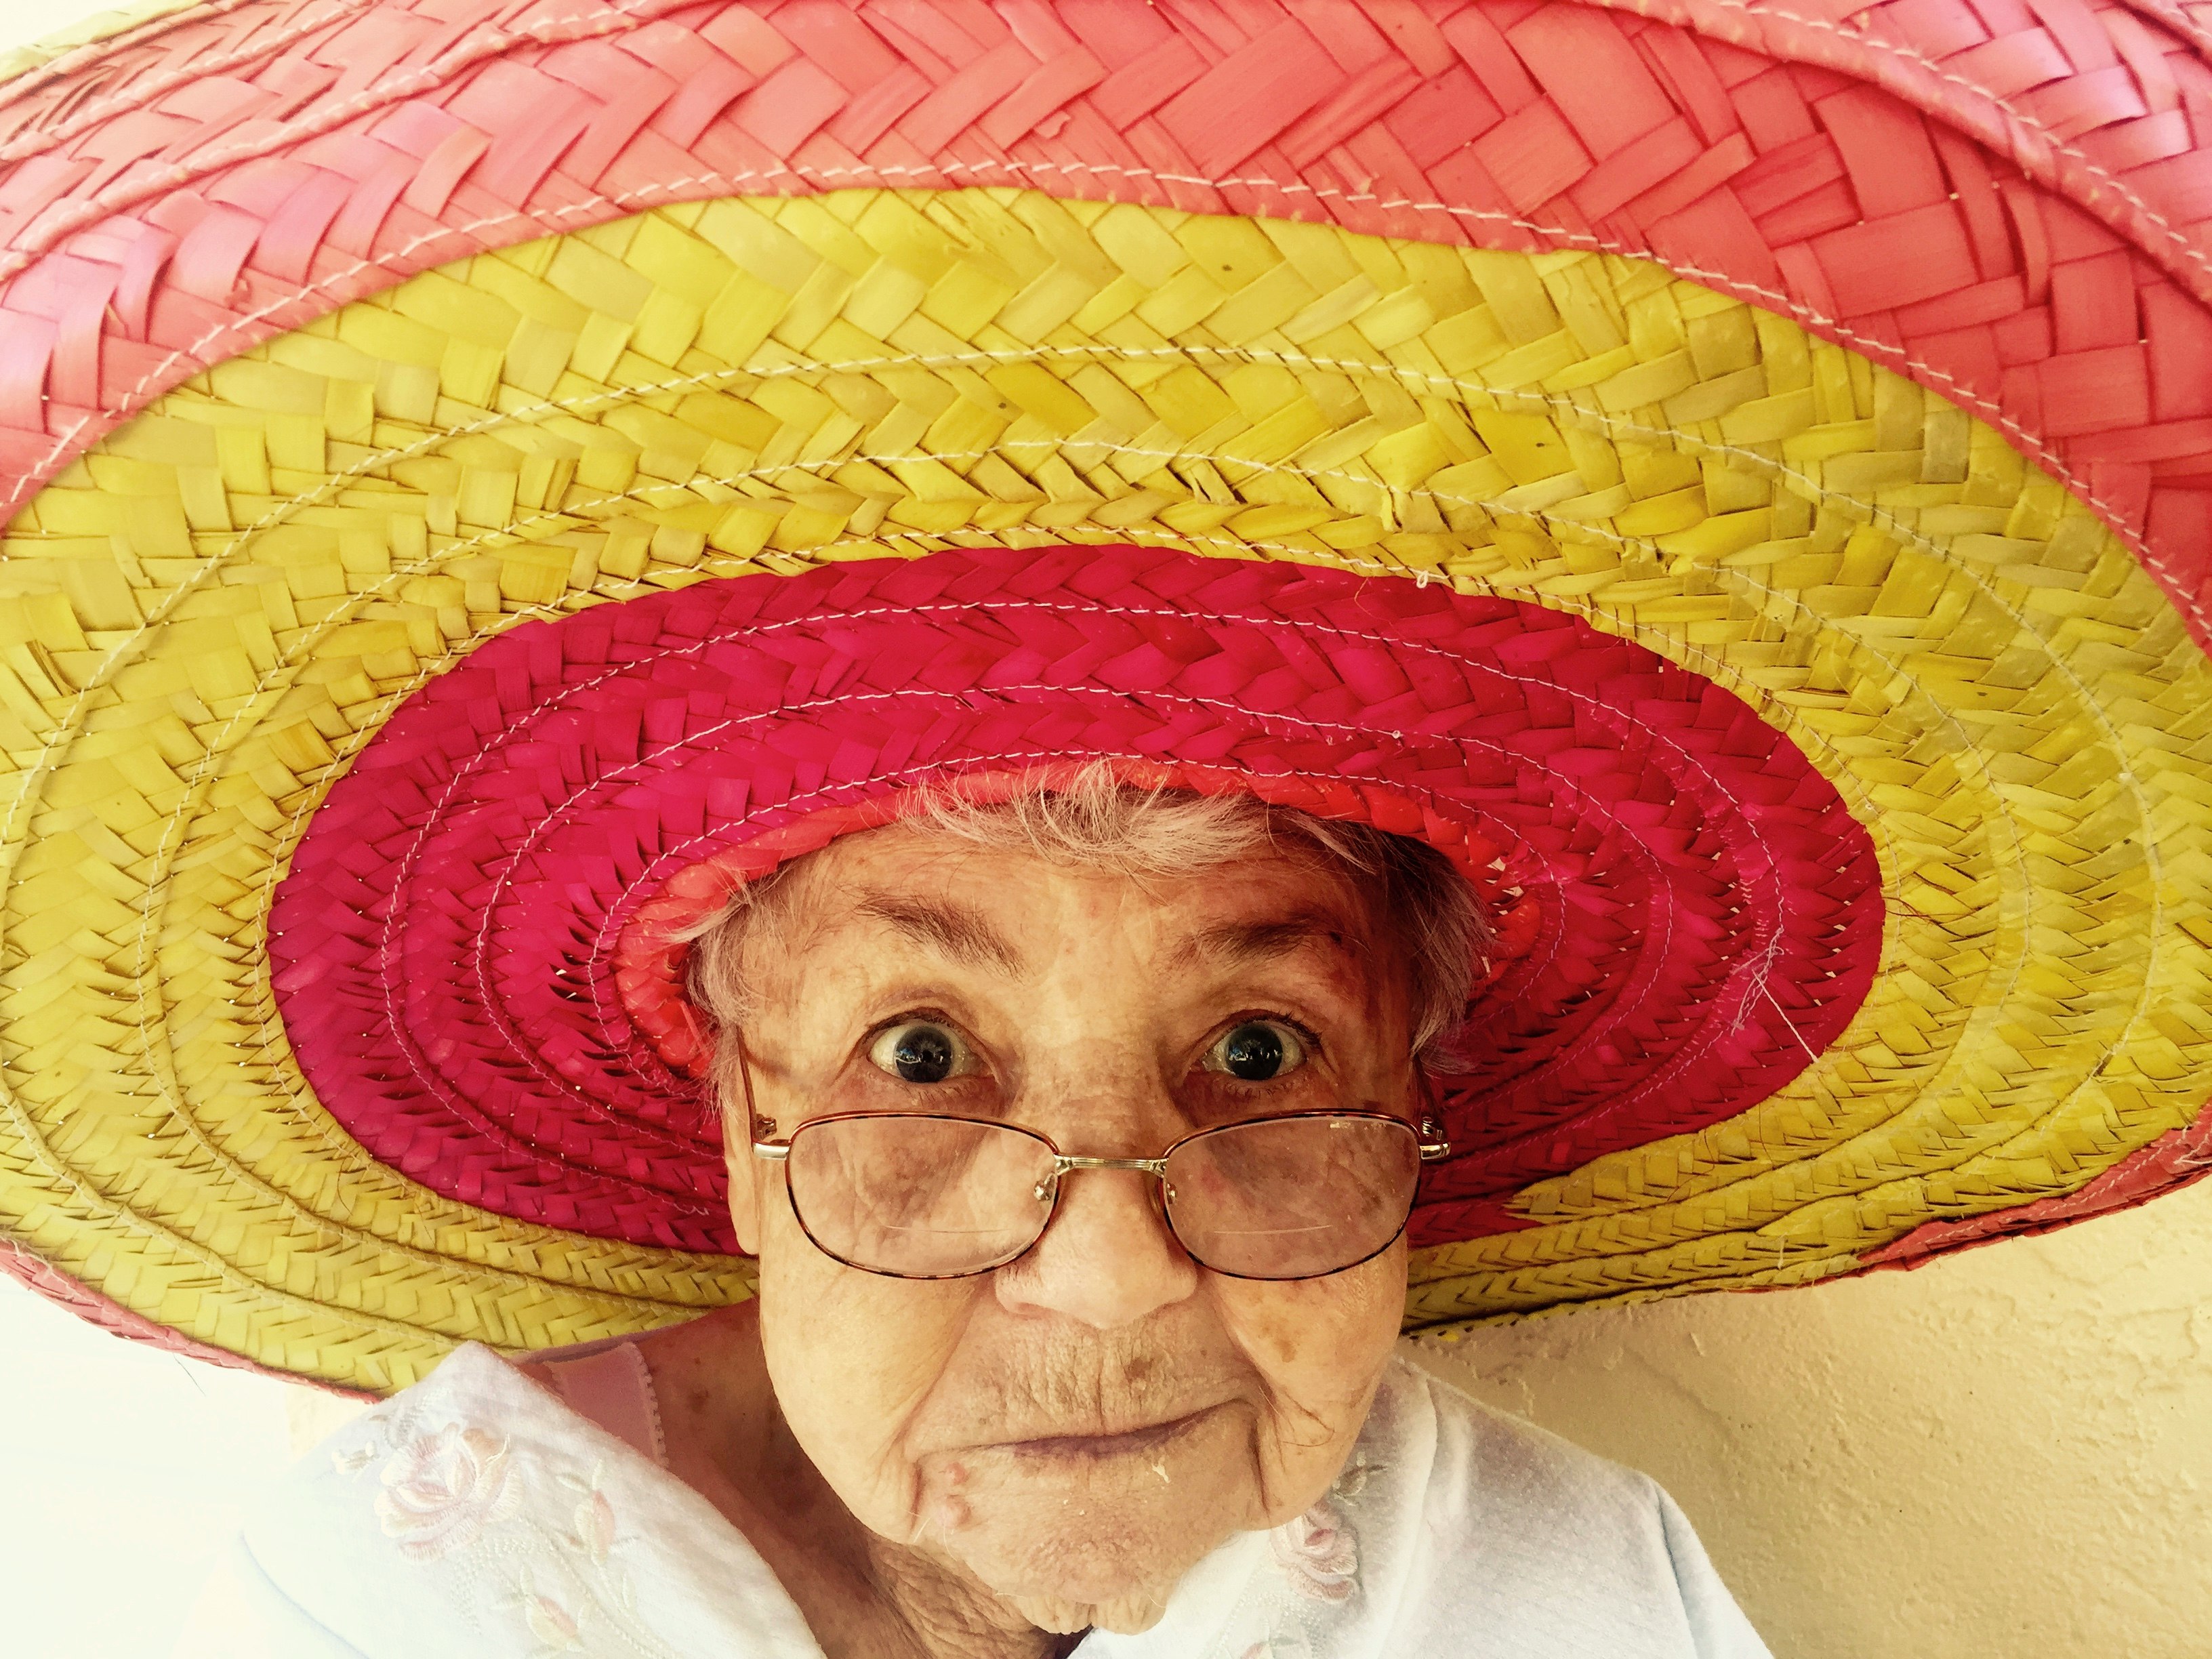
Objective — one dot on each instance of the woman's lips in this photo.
(1090, 1447)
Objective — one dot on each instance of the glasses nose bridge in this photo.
(1064, 1163)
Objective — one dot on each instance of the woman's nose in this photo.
(1106, 1260)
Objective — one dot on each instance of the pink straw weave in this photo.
(2010, 202)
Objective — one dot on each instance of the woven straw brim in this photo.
(214, 611)
(2007, 205)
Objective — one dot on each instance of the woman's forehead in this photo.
(1000, 909)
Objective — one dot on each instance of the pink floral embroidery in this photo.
(595, 1524)
(1318, 1553)
(550, 1624)
(442, 1490)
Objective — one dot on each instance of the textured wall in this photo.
(2006, 1453)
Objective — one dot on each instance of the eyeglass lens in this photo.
(1292, 1197)
(922, 1197)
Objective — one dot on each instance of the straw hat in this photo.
(1738, 480)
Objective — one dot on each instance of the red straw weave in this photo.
(1690, 912)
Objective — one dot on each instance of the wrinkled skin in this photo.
(1051, 1445)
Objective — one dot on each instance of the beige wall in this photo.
(2008, 1452)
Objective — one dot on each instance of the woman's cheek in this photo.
(852, 1356)
(1319, 1336)
(1320, 1345)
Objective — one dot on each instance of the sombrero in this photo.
(490, 480)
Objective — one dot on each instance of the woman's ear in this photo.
(746, 1172)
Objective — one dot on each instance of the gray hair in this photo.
(1418, 898)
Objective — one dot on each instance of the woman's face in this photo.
(1078, 1428)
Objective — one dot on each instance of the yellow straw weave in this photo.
(202, 620)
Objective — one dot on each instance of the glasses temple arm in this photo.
(1436, 1145)
(773, 1152)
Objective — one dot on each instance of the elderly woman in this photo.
(1075, 1135)
(859, 779)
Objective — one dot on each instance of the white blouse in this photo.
(476, 1516)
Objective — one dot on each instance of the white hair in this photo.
(1420, 903)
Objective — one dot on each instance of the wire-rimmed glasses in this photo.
(920, 1195)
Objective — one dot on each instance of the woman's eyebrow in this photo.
(953, 930)
(1262, 940)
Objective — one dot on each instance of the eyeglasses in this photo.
(917, 1195)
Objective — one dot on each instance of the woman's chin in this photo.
(1100, 1562)
(1130, 1615)
(1108, 1562)
(1060, 1525)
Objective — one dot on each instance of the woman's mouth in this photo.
(1096, 1448)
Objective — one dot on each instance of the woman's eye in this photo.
(1257, 1050)
(918, 1050)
